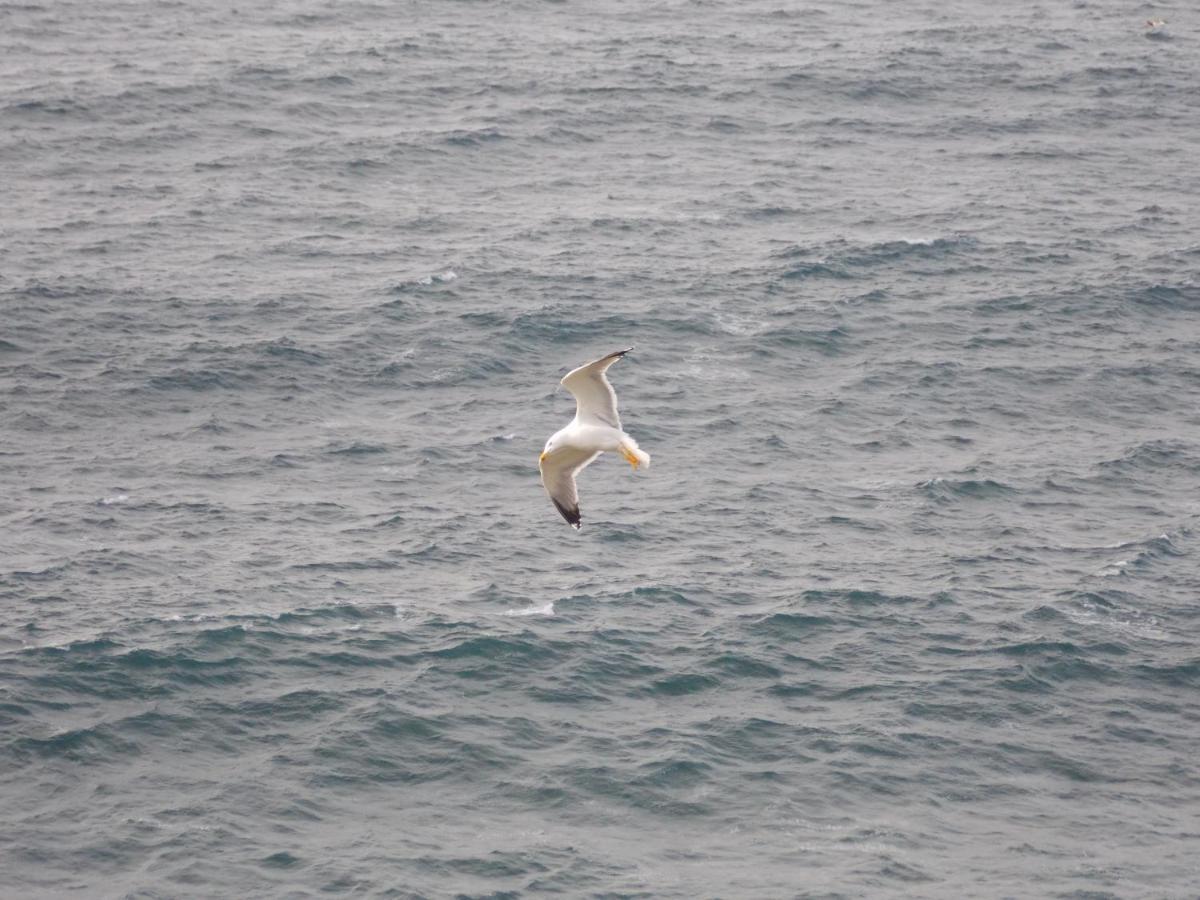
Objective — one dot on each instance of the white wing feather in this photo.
(595, 399)
(558, 477)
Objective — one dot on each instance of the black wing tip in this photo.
(618, 354)
(571, 515)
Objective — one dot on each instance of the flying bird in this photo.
(595, 429)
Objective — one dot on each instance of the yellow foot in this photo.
(630, 458)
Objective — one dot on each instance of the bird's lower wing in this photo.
(558, 478)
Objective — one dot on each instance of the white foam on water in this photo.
(546, 610)
(1130, 622)
(739, 325)
(1114, 569)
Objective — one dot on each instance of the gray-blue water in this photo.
(907, 605)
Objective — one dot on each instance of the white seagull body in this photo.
(595, 429)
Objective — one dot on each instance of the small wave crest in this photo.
(546, 609)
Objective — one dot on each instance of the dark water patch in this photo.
(762, 741)
(81, 746)
(1155, 455)
(496, 319)
(358, 448)
(1045, 613)
(674, 774)
(1003, 306)
(407, 727)
(282, 860)
(843, 261)
(627, 662)
(829, 341)
(957, 711)
(389, 373)
(59, 106)
(286, 349)
(142, 673)
(1119, 72)
(262, 72)
(662, 594)
(1025, 681)
(739, 666)
(609, 784)
(1135, 735)
(1175, 675)
(35, 372)
(498, 651)
(616, 533)
(474, 138)
(906, 873)
(495, 865)
(890, 89)
(345, 612)
(946, 490)
(790, 626)
(856, 598)
(1024, 759)
(334, 80)
(404, 749)
(361, 164)
(773, 212)
(293, 706)
(559, 136)
(1055, 661)
(890, 252)
(682, 684)
(814, 269)
(1167, 297)
(200, 380)
(562, 323)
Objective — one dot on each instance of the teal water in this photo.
(906, 606)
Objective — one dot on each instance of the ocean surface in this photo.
(908, 604)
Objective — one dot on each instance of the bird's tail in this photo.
(634, 454)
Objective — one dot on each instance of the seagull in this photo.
(595, 428)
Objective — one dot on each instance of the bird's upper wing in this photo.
(558, 477)
(595, 399)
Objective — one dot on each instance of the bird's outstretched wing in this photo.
(595, 399)
(558, 478)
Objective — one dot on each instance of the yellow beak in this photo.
(542, 458)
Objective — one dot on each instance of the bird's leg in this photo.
(629, 457)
